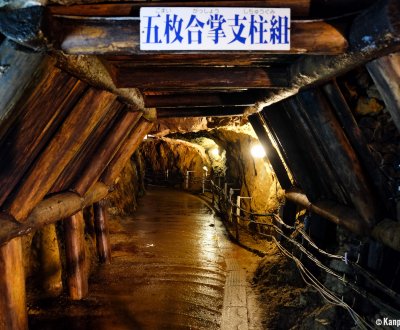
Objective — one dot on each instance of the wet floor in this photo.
(168, 271)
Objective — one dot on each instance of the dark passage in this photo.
(168, 272)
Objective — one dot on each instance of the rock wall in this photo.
(176, 156)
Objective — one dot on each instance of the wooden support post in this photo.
(293, 150)
(385, 72)
(106, 151)
(272, 154)
(50, 262)
(123, 154)
(340, 154)
(13, 313)
(77, 273)
(102, 235)
(324, 171)
(60, 151)
(358, 142)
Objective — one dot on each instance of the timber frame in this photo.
(80, 95)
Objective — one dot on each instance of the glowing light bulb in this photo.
(214, 152)
(257, 151)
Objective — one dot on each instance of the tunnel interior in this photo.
(211, 189)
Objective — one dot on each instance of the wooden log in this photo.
(385, 71)
(323, 169)
(124, 153)
(191, 100)
(272, 154)
(50, 262)
(77, 275)
(200, 112)
(105, 151)
(358, 142)
(210, 77)
(121, 36)
(40, 116)
(340, 154)
(75, 167)
(58, 153)
(49, 211)
(367, 42)
(102, 233)
(298, 8)
(388, 233)
(13, 313)
(339, 214)
(293, 151)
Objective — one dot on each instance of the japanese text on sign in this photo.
(180, 28)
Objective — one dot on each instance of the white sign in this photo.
(189, 28)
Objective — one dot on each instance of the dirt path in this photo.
(172, 268)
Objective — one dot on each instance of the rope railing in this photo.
(275, 224)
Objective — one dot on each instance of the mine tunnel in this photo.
(199, 164)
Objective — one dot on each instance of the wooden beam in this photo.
(77, 272)
(200, 112)
(367, 42)
(191, 100)
(124, 153)
(121, 36)
(13, 313)
(106, 151)
(72, 172)
(385, 72)
(59, 152)
(50, 210)
(102, 234)
(193, 77)
(40, 115)
(339, 214)
(298, 8)
(293, 150)
(323, 171)
(272, 154)
(358, 142)
(340, 154)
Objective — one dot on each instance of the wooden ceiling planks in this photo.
(201, 112)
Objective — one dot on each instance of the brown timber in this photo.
(102, 233)
(75, 167)
(385, 71)
(60, 151)
(273, 155)
(50, 210)
(13, 313)
(383, 38)
(40, 115)
(107, 36)
(197, 77)
(124, 153)
(106, 150)
(77, 272)
(332, 211)
(340, 154)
